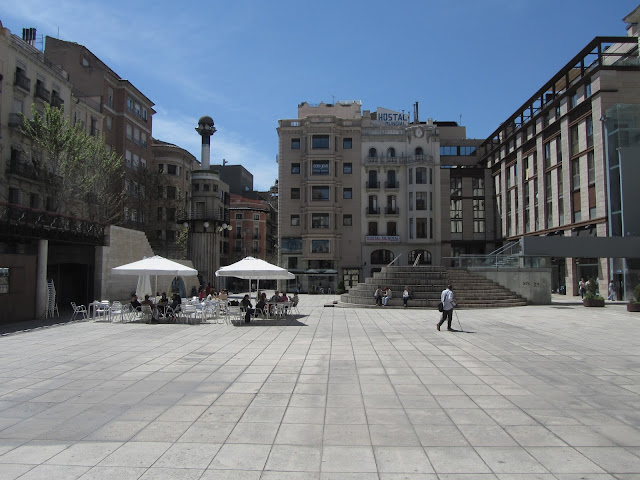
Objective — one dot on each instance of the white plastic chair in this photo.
(189, 314)
(233, 313)
(103, 309)
(117, 310)
(146, 313)
(79, 310)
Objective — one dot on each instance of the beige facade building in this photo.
(561, 162)
(358, 190)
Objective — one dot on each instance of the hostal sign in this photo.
(389, 117)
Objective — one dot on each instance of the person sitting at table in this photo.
(247, 307)
(201, 294)
(276, 297)
(176, 301)
(223, 296)
(262, 302)
(283, 297)
(295, 299)
(135, 304)
(163, 302)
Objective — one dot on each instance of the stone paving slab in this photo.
(538, 392)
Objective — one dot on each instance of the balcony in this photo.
(24, 222)
(42, 93)
(204, 215)
(392, 185)
(392, 211)
(373, 211)
(22, 81)
(373, 185)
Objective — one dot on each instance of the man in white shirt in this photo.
(446, 297)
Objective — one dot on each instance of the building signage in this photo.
(320, 168)
(389, 117)
(382, 239)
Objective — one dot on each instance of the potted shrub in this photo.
(634, 305)
(591, 298)
(340, 289)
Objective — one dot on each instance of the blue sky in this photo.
(248, 63)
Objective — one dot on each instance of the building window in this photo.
(587, 90)
(455, 185)
(421, 176)
(320, 167)
(172, 169)
(320, 220)
(478, 187)
(171, 192)
(419, 151)
(575, 174)
(547, 155)
(320, 142)
(320, 194)
(295, 220)
(295, 193)
(347, 168)
(591, 168)
(295, 144)
(347, 143)
(129, 132)
(239, 216)
(421, 200)
(295, 168)
(320, 246)
(171, 214)
(391, 152)
(256, 216)
(392, 229)
(478, 216)
(575, 140)
(373, 153)
(455, 212)
(206, 187)
(109, 122)
(347, 220)
(373, 228)
(421, 228)
(159, 213)
(589, 125)
(347, 193)
(577, 209)
(411, 176)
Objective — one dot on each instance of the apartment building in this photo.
(359, 190)
(127, 114)
(564, 166)
(37, 243)
(168, 186)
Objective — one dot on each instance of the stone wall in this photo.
(534, 284)
(126, 246)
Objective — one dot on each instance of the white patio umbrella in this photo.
(255, 269)
(144, 286)
(155, 265)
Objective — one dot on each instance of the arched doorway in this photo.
(425, 257)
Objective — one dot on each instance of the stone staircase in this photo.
(426, 283)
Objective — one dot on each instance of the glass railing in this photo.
(496, 261)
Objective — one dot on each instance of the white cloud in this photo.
(234, 148)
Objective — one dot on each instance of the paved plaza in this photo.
(538, 392)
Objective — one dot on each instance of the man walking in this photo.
(446, 297)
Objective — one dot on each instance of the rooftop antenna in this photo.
(460, 120)
(224, 162)
(333, 99)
